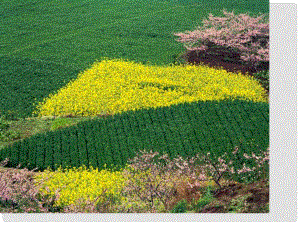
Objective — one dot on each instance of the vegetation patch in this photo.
(61, 123)
(15, 130)
(25, 82)
(82, 184)
(105, 86)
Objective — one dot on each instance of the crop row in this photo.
(26, 81)
(185, 129)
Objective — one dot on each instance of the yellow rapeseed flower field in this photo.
(115, 86)
(81, 183)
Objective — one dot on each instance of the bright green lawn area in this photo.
(55, 39)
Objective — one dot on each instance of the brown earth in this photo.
(241, 198)
(226, 59)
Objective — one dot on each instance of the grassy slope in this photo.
(24, 128)
(56, 39)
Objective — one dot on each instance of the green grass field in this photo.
(44, 44)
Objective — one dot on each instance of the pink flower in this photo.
(246, 156)
(232, 170)
(236, 149)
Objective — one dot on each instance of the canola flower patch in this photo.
(116, 86)
(185, 129)
(75, 184)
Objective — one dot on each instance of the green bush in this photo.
(5, 133)
(239, 205)
(9, 136)
(3, 126)
(180, 207)
(205, 200)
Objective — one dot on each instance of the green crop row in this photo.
(25, 81)
(185, 129)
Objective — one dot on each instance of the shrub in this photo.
(181, 207)
(205, 200)
(239, 205)
(148, 180)
(240, 38)
(152, 178)
(3, 125)
(9, 135)
(263, 77)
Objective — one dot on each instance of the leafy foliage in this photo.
(205, 200)
(7, 134)
(61, 123)
(26, 81)
(3, 125)
(181, 207)
(263, 78)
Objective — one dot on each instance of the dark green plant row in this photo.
(185, 130)
(25, 81)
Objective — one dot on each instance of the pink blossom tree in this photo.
(245, 35)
